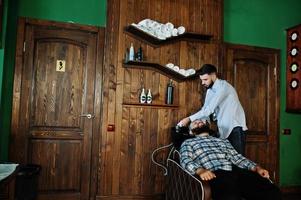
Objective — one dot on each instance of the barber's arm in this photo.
(185, 121)
(210, 105)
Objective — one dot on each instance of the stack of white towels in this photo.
(184, 72)
(159, 30)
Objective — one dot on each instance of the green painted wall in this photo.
(1, 70)
(2, 40)
(88, 12)
(6, 67)
(263, 23)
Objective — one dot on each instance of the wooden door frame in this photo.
(276, 53)
(98, 94)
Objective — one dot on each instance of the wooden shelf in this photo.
(159, 68)
(155, 42)
(151, 105)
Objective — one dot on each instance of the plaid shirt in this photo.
(211, 153)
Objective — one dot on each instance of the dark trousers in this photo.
(241, 183)
(237, 138)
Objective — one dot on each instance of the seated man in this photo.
(230, 175)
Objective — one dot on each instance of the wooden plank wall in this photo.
(125, 170)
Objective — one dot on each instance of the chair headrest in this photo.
(179, 134)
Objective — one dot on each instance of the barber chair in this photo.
(181, 185)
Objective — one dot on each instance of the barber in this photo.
(222, 101)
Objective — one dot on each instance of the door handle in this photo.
(89, 116)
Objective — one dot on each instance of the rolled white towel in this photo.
(152, 23)
(159, 34)
(176, 68)
(187, 73)
(144, 22)
(181, 30)
(167, 34)
(183, 72)
(155, 25)
(169, 26)
(174, 32)
(170, 65)
(190, 72)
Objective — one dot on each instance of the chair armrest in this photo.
(181, 185)
(206, 188)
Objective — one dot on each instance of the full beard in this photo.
(210, 86)
(199, 130)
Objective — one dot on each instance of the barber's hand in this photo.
(185, 121)
(205, 174)
(262, 172)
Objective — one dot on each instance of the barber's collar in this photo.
(215, 85)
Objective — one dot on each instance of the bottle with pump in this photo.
(126, 55)
(149, 97)
(132, 53)
(142, 96)
(140, 54)
(169, 93)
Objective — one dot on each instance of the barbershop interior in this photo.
(147, 99)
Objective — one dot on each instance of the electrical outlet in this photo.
(286, 131)
(111, 127)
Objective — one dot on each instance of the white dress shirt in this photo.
(222, 101)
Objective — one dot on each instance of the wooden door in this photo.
(253, 71)
(54, 95)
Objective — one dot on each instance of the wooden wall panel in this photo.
(125, 167)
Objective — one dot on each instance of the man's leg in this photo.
(224, 186)
(253, 186)
(237, 138)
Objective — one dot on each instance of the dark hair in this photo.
(179, 134)
(206, 69)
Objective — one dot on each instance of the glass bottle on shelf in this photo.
(132, 53)
(142, 98)
(140, 54)
(126, 55)
(149, 97)
(169, 93)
